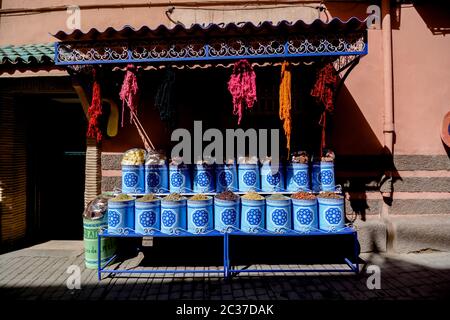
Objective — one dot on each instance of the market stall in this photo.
(242, 196)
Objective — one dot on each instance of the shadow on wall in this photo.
(436, 15)
(365, 167)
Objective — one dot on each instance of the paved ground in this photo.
(39, 273)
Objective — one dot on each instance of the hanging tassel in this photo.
(129, 92)
(165, 98)
(323, 91)
(95, 110)
(285, 103)
(242, 86)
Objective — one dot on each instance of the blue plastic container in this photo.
(200, 215)
(147, 216)
(326, 177)
(279, 215)
(173, 215)
(304, 212)
(315, 177)
(133, 178)
(180, 179)
(253, 213)
(331, 214)
(297, 177)
(226, 215)
(249, 178)
(120, 216)
(156, 178)
(204, 178)
(226, 177)
(272, 178)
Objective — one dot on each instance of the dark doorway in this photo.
(55, 133)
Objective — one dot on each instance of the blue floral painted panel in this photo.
(176, 179)
(200, 218)
(333, 215)
(153, 179)
(229, 217)
(254, 216)
(130, 179)
(250, 178)
(279, 217)
(147, 218)
(305, 216)
(113, 218)
(168, 218)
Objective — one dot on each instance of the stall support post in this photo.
(355, 243)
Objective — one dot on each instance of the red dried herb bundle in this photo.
(129, 92)
(95, 110)
(242, 86)
(323, 91)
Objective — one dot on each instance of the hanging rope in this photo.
(165, 98)
(242, 86)
(129, 91)
(95, 110)
(285, 103)
(323, 91)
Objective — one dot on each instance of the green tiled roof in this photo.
(36, 54)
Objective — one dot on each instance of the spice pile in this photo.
(122, 197)
(252, 195)
(147, 198)
(248, 160)
(155, 158)
(330, 195)
(227, 195)
(328, 156)
(303, 196)
(134, 157)
(199, 196)
(277, 196)
(300, 157)
(174, 197)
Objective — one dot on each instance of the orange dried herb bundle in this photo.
(285, 102)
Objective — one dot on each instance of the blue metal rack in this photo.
(228, 270)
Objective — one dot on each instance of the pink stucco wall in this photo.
(421, 68)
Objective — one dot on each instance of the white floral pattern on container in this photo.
(225, 178)
(114, 218)
(249, 178)
(176, 179)
(153, 179)
(305, 216)
(301, 178)
(279, 217)
(326, 177)
(130, 179)
(147, 219)
(168, 218)
(273, 179)
(203, 179)
(333, 215)
(200, 218)
(229, 217)
(254, 217)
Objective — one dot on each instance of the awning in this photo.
(212, 42)
(27, 57)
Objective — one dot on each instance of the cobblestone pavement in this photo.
(40, 273)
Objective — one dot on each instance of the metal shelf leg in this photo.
(99, 254)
